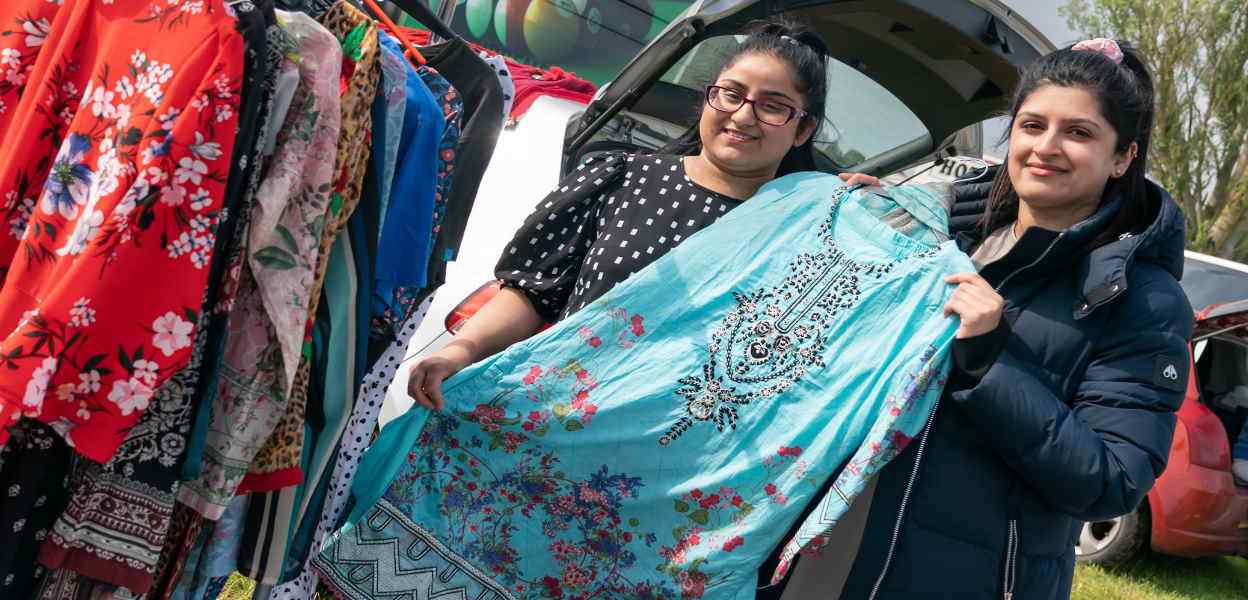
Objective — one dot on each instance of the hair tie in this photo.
(789, 40)
(1103, 46)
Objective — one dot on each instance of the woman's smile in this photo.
(1039, 169)
(736, 136)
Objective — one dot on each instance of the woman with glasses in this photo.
(617, 213)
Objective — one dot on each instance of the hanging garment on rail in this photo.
(658, 448)
(126, 196)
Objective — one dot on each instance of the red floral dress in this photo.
(113, 172)
(24, 27)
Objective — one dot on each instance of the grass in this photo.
(1154, 577)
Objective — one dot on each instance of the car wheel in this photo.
(1113, 541)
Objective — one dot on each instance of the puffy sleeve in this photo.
(544, 258)
(1097, 455)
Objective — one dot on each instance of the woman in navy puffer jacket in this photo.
(1064, 412)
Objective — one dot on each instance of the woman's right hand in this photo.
(427, 375)
(505, 319)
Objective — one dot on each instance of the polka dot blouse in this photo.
(608, 219)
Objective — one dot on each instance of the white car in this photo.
(910, 81)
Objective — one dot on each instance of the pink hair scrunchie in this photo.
(1105, 46)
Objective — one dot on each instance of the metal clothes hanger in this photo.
(421, 13)
(982, 169)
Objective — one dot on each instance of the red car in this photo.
(1195, 509)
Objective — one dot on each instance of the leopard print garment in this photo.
(277, 464)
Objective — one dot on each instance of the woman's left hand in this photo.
(976, 303)
(859, 178)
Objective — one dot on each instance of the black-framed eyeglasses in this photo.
(771, 112)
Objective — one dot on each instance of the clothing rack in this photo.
(421, 13)
(348, 202)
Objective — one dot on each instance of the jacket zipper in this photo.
(918, 460)
(1031, 264)
(905, 501)
(1011, 561)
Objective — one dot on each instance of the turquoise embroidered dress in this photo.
(659, 442)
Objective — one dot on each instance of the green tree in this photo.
(1198, 53)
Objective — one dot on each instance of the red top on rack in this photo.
(531, 82)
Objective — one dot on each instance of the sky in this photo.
(1043, 15)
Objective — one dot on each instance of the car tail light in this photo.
(1209, 446)
(470, 305)
(473, 303)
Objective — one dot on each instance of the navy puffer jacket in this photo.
(1072, 422)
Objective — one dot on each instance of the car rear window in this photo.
(1209, 281)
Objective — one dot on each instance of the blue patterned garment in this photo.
(421, 187)
(453, 111)
(389, 110)
(660, 442)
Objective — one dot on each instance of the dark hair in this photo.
(804, 51)
(1124, 93)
